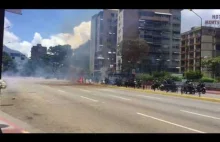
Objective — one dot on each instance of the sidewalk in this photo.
(10, 124)
(9, 127)
(213, 92)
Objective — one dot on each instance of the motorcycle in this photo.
(188, 88)
(201, 89)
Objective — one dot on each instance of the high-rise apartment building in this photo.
(160, 28)
(103, 42)
(38, 51)
(191, 43)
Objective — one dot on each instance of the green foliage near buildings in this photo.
(145, 77)
(57, 61)
(175, 78)
(193, 75)
(207, 79)
(158, 75)
(134, 52)
(8, 64)
(212, 64)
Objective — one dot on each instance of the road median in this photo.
(166, 93)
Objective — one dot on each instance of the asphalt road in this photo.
(82, 109)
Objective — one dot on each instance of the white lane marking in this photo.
(151, 97)
(170, 123)
(62, 91)
(132, 96)
(200, 114)
(120, 97)
(85, 90)
(89, 99)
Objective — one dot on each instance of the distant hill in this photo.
(9, 50)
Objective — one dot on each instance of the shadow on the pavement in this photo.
(6, 104)
(3, 126)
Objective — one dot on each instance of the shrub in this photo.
(160, 74)
(193, 75)
(208, 80)
(175, 78)
(144, 77)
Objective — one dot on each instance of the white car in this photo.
(3, 84)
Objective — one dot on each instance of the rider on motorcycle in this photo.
(201, 84)
(201, 87)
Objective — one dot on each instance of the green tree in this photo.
(145, 77)
(134, 52)
(59, 58)
(8, 63)
(213, 65)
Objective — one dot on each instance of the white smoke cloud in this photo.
(80, 35)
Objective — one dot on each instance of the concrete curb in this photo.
(18, 125)
(167, 94)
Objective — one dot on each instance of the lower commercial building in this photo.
(191, 45)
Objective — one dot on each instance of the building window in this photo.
(176, 32)
(176, 18)
(146, 13)
(100, 41)
(218, 47)
(112, 14)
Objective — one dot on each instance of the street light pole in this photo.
(200, 61)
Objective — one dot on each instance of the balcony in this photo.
(146, 28)
(176, 53)
(157, 42)
(175, 43)
(166, 42)
(191, 37)
(165, 35)
(148, 33)
(175, 36)
(176, 21)
(165, 28)
(176, 29)
(157, 35)
(191, 43)
(157, 28)
(150, 40)
(197, 43)
(191, 57)
(176, 50)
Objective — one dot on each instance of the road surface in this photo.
(85, 109)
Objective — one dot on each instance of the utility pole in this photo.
(200, 61)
